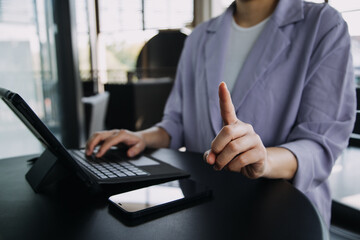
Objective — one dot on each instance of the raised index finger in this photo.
(226, 106)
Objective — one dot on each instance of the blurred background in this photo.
(63, 55)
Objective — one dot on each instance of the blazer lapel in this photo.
(267, 48)
(215, 48)
(269, 45)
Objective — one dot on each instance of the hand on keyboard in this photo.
(107, 139)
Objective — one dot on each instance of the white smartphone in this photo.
(141, 202)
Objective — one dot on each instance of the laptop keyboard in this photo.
(105, 169)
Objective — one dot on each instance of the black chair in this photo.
(160, 55)
(137, 106)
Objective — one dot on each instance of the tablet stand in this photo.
(45, 171)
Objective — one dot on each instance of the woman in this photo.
(292, 103)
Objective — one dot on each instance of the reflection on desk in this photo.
(240, 209)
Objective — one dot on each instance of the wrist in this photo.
(155, 137)
(280, 163)
(267, 165)
(143, 137)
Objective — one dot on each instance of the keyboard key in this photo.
(120, 174)
(108, 169)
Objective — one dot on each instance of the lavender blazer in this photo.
(296, 89)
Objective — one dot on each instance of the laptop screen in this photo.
(17, 104)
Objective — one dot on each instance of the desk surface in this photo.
(239, 209)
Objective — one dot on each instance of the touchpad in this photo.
(143, 161)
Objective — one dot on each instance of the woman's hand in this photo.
(154, 137)
(236, 147)
(106, 139)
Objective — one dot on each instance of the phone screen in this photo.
(158, 195)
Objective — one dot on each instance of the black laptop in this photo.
(113, 168)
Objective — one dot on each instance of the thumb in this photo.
(226, 106)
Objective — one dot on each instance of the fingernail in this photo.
(130, 153)
(206, 154)
(224, 84)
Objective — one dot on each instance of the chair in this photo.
(160, 55)
(139, 105)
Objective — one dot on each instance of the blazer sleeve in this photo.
(327, 110)
(172, 121)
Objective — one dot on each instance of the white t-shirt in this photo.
(240, 43)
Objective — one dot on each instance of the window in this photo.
(165, 14)
(345, 172)
(219, 6)
(27, 66)
(83, 39)
(125, 26)
(350, 11)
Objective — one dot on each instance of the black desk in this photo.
(240, 209)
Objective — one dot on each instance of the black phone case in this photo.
(163, 209)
